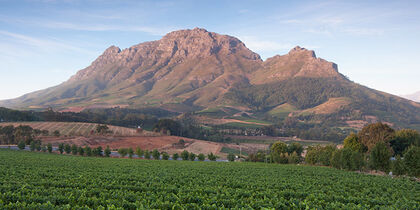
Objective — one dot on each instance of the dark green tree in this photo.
(130, 152)
(372, 134)
(32, 146)
(403, 139)
(139, 152)
(412, 161)
(380, 157)
(50, 148)
(74, 149)
(192, 156)
(147, 154)
(123, 152)
(184, 155)
(165, 156)
(212, 157)
(201, 157)
(67, 148)
(107, 151)
(156, 154)
(56, 133)
(61, 148)
(175, 156)
(81, 151)
(21, 145)
(88, 151)
(398, 167)
(231, 157)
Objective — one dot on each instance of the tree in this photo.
(123, 152)
(139, 152)
(165, 156)
(294, 158)
(21, 145)
(191, 156)
(98, 151)
(165, 125)
(61, 148)
(184, 155)
(81, 151)
(107, 151)
(212, 157)
(44, 148)
(412, 161)
(102, 129)
(201, 157)
(130, 152)
(67, 148)
(295, 147)
(38, 145)
(74, 149)
(175, 156)
(23, 132)
(147, 154)
(336, 159)
(372, 134)
(231, 157)
(352, 142)
(88, 151)
(156, 154)
(380, 157)
(398, 167)
(403, 139)
(50, 148)
(32, 146)
(56, 133)
(278, 151)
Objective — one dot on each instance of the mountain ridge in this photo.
(194, 69)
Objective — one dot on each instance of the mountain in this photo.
(197, 70)
(415, 96)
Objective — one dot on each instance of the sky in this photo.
(374, 43)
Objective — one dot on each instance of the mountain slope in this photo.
(190, 70)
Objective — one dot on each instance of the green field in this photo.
(30, 180)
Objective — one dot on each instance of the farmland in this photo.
(38, 180)
(77, 128)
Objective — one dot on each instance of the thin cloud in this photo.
(264, 45)
(42, 43)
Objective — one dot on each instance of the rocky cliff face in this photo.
(299, 62)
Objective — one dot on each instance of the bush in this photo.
(44, 148)
(67, 148)
(81, 151)
(165, 156)
(21, 145)
(56, 133)
(97, 151)
(61, 148)
(380, 157)
(212, 157)
(201, 157)
(156, 154)
(231, 157)
(191, 156)
(294, 158)
(398, 167)
(147, 154)
(175, 156)
(139, 152)
(49, 147)
(130, 152)
(107, 151)
(32, 146)
(412, 161)
(185, 155)
(88, 151)
(123, 152)
(74, 149)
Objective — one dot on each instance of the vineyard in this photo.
(40, 181)
(76, 128)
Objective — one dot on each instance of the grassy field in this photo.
(74, 128)
(30, 180)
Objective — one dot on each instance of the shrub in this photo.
(156, 154)
(175, 156)
(212, 157)
(21, 145)
(139, 152)
(61, 148)
(147, 154)
(123, 152)
(67, 148)
(380, 157)
(32, 146)
(81, 151)
(74, 149)
(130, 152)
(185, 155)
(88, 151)
(231, 157)
(412, 161)
(191, 156)
(49, 147)
(294, 158)
(165, 156)
(398, 167)
(201, 157)
(107, 151)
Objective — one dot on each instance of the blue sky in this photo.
(374, 43)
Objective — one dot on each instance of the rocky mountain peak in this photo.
(302, 51)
